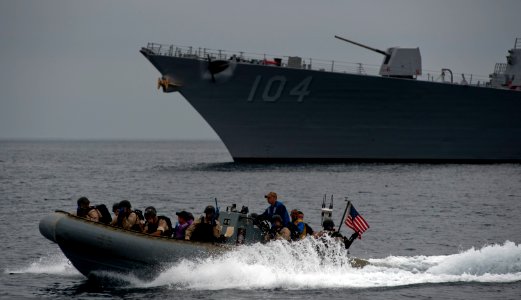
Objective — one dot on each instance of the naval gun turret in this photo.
(398, 62)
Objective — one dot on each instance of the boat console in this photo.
(239, 227)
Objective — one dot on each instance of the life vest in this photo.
(135, 227)
(139, 214)
(276, 230)
(180, 229)
(276, 233)
(151, 228)
(103, 212)
(105, 217)
(83, 212)
(308, 229)
(203, 232)
(296, 234)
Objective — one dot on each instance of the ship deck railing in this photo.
(317, 64)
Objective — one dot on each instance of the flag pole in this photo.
(344, 215)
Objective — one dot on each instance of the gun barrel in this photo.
(362, 45)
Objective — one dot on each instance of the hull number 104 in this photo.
(272, 89)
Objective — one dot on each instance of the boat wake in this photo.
(300, 266)
(56, 264)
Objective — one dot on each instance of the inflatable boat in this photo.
(94, 248)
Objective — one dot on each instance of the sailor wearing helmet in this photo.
(206, 228)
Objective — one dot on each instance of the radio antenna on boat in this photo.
(344, 215)
(216, 208)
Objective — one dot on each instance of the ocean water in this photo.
(437, 231)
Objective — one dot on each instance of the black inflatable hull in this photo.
(94, 248)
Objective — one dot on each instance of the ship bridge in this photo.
(508, 75)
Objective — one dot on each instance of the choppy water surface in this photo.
(440, 231)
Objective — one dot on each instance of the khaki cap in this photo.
(271, 194)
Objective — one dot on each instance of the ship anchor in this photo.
(168, 87)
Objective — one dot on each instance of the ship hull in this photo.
(275, 114)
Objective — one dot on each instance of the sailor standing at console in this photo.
(275, 208)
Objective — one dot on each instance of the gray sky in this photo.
(71, 69)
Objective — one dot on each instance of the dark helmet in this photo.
(328, 224)
(185, 215)
(209, 210)
(276, 218)
(83, 201)
(150, 212)
(125, 204)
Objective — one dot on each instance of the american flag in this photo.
(355, 221)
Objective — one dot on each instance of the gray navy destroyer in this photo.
(269, 108)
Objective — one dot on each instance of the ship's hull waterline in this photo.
(274, 114)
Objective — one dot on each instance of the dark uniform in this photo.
(206, 228)
(329, 229)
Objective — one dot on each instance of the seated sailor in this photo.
(275, 208)
(296, 226)
(184, 220)
(115, 209)
(307, 229)
(86, 211)
(329, 229)
(278, 231)
(206, 228)
(157, 225)
(127, 218)
(299, 229)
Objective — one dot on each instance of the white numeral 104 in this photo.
(273, 88)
